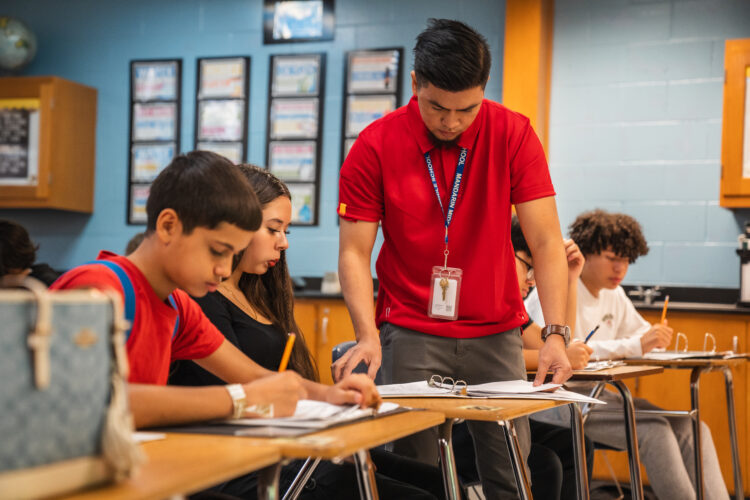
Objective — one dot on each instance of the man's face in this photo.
(523, 261)
(604, 270)
(197, 262)
(447, 114)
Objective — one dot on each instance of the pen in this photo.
(664, 311)
(287, 352)
(592, 332)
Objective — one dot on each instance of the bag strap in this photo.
(129, 293)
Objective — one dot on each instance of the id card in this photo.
(445, 286)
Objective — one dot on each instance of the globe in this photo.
(17, 44)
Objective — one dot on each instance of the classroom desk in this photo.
(186, 463)
(354, 439)
(698, 367)
(501, 411)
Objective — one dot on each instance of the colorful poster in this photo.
(298, 19)
(303, 203)
(155, 121)
(138, 198)
(148, 160)
(294, 118)
(221, 120)
(155, 81)
(363, 110)
(292, 160)
(232, 151)
(222, 78)
(373, 71)
(295, 75)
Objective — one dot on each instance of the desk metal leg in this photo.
(695, 376)
(579, 451)
(301, 478)
(268, 482)
(447, 460)
(595, 393)
(368, 490)
(739, 490)
(631, 437)
(516, 459)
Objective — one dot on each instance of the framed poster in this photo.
(221, 120)
(303, 203)
(137, 203)
(155, 121)
(286, 21)
(295, 75)
(294, 118)
(155, 80)
(293, 160)
(232, 151)
(222, 78)
(363, 110)
(19, 143)
(348, 143)
(148, 160)
(373, 71)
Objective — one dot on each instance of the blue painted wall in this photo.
(92, 42)
(635, 119)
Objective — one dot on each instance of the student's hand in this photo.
(578, 354)
(282, 390)
(575, 260)
(552, 357)
(367, 350)
(356, 388)
(660, 335)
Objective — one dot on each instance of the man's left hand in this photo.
(553, 357)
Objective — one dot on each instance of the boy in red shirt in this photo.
(201, 213)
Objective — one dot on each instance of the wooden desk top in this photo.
(343, 441)
(487, 409)
(687, 363)
(186, 463)
(617, 372)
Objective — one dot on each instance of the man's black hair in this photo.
(451, 56)
(597, 230)
(205, 189)
(517, 237)
(17, 251)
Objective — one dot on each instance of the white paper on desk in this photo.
(671, 355)
(416, 390)
(315, 415)
(595, 366)
(516, 387)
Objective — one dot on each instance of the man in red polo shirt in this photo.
(440, 174)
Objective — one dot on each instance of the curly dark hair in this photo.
(597, 230)
(17, 251)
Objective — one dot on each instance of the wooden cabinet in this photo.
(735, 141)
(324, 323)
(671, 390)
(62, 134)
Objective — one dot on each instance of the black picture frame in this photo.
(314, 21)
(147, 91)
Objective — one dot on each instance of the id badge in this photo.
(445, 286)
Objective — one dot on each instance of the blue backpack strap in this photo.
(176, 323)
(127, 290)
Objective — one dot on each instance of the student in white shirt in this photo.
(610, 242)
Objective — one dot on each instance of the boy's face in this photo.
(197, 262)
(265, 249)
(523, 261)
(604, 270)
(447, 114)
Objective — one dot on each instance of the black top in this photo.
(261, 342)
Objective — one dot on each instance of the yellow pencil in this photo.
(287, 351)
(664, 311)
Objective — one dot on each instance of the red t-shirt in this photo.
(385, 178)
(150, 346)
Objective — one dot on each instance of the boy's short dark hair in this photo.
(517, 237)
(597, 230)
(205, 189)
(451, 56)
(16, 248)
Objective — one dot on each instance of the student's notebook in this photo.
(448, 388)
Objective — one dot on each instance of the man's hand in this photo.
(366, 350)
(658, 336)
(578, 354)
(552, 357)
(282, 390)
(575, 260)
(356, 388)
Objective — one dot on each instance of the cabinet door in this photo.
(306, 316)
(735, 177)
(334, 327)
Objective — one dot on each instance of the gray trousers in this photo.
(409, 356)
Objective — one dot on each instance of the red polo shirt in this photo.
(385, 178)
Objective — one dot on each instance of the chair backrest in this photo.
(340, 349)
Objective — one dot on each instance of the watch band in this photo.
(237, 393)
(562, 330)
